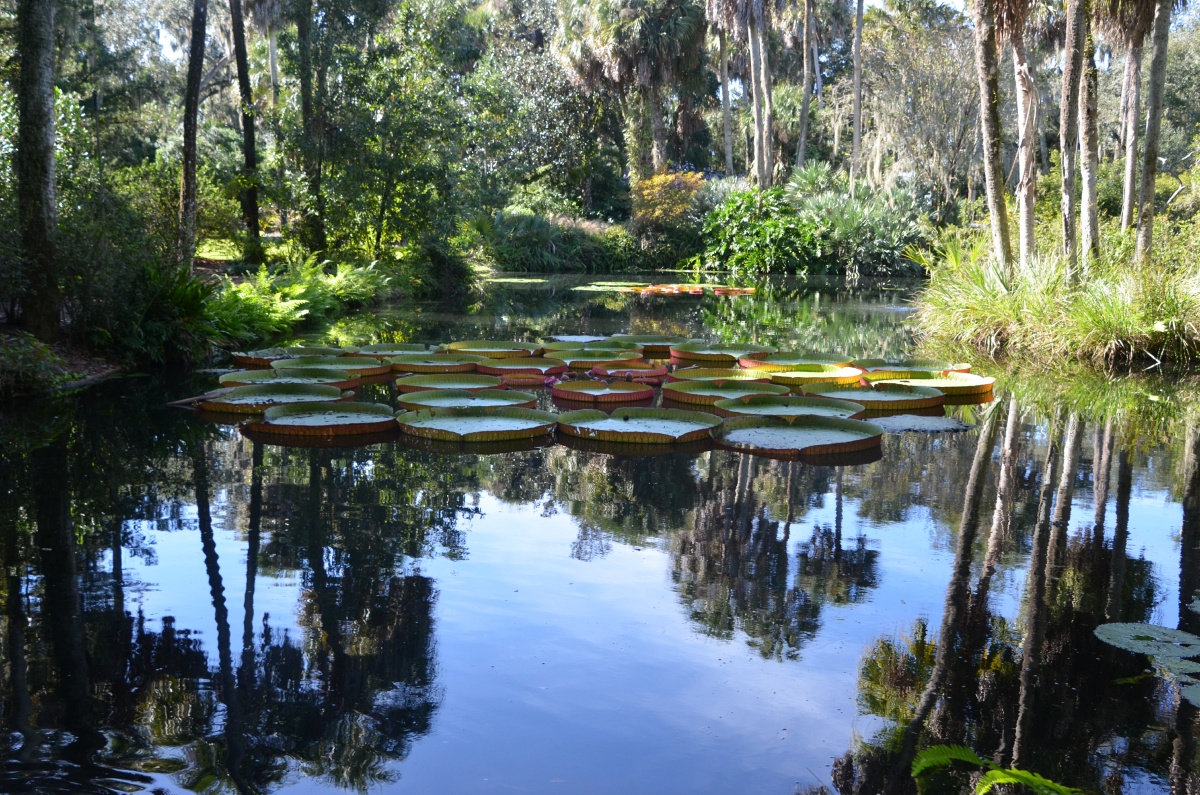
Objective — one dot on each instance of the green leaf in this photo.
(1150, 639)
(938, 756)
(1039, 784)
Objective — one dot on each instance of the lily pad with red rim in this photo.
(719, 375)
(881, 396)
(790, 406)
(436, 363)
(260, 397)
(362, 366)
(796, 437)
(319, 375)
(716, 352)
(471, 382)
(328, 419)
(803, 374)
(709, 392)
(494, 349)
(477, 425)
(601, 392)
(639, 425)
(462, 399)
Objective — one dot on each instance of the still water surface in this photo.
(188, 611)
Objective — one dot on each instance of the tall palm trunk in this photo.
(1133, 90)
(37, 214)
(1027, 126)
(726, 104)
(185, 248)
(856, 135)
(806, 96)
(1154, 103)
(249, 192)
(313, 221)
(760, 172)
(764, 77)
(987, 69)
(658, 129)
(1089, 163)
(1068, 131)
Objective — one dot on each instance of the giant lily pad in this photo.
(494, 349)
(1150, 639)
(599, 391)
(259, 358)
(531, 366)
(328, 419)
(948, 383)
(639, 425)
(259, 398)
(799, 436)
(320, 375)
(362, 366)
(264, 434)
(913, 423)
(654, 346)
(781, 362)
(802, 375)
(468, 381)
(477, 424)
(437, 363)
(719, 375)
(462, 399)
(709, 392)
(586, 360)
(580, 338)
(319, 350)
(790, 406)
(881, 396)
(385, 350)
(911, 365)
(715, 353)
(633, 370)
(632, 449)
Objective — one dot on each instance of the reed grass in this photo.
(1119, 316)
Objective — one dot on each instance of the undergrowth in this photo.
(1118, 315)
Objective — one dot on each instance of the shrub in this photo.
(757, 233)
(665, 200)
(28, 366)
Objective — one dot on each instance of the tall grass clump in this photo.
(1119, 315)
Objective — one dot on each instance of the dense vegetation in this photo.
(178, 175)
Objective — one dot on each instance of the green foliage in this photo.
(938, 757)
(28, 366)
(755, 233)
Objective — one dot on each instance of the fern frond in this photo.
(1039, 784)
(937, 756)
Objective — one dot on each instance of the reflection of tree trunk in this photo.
(1116, 581)
(62, 610)
(1062, 502)
(252, 545)
(955, 610)
(235, 739)
(1189, 534)
(1035, 600)
(18, 666)
(1002, 515)
(1100, 475)
(323, 597)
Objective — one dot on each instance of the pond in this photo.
(185, 610)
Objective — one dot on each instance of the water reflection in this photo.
(131, 536)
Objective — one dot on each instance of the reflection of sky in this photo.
(563, 675)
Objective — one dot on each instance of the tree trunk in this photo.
(312, 226)
(764, 76)
(856, 135)
(273, 62)
(37, 213)
(658, 129)
(1154, 104)
(818, 80)
(987, 69)
(806, 95)
(1130, 133)
(1027, 126)
(756, 103)
(1068, 131)
(186, 242)
(1089, 163)
(726, 104)
(249, 192)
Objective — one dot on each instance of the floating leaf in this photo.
(1150, 639)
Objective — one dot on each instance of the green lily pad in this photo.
(719, 374)
(779, 362)
(319, 350)
(328, 419)
(948, 383)
(803, 374)
(589, 391)
(537, 364)
(477, 424)
(467, 381)
(494, 349)
(585, 359)
(1151, 639)
(790, 406)
(881, 396)
(794, 437)
(437, 363)
(709, 392)
(924, 365)
(385, 350)
(639, 425)
(462, 399)
(258, 398)
(320, 375)
(362, 366)
(727, 354)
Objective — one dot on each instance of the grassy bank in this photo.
(1119, 316)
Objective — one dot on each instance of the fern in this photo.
(940, 756)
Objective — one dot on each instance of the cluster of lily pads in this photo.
(739, 396)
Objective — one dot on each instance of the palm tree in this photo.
(752, 19)
(1011, 16)
(248, 195)
(1068, 128)
(856, 144)
(1160, 34)
(1089, 144)
(987, 70)
(640, 48)
(34, 165)
(185, 247)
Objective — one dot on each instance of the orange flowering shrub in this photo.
(665, 199)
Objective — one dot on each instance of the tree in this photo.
(1089, 139)
(739, 17)
(1068, 130)
(186, 242)
(1011, 16)
(37, 215)
(248, 192)
(987, 69)
(856, 142)
(1160, 36)
(805, 48)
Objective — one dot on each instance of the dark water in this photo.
(184, 610)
